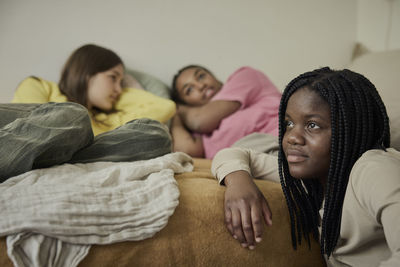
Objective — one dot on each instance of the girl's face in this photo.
(307, 139)
(196, 86)
(104, 88)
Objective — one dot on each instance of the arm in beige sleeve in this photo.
(257, 164)
(378, 190)
(390, 219)
(389, 212)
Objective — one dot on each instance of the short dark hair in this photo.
(359, 122)
(174, 91)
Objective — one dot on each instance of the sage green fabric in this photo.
(42, 135)
(151, 83)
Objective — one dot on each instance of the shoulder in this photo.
(245, 71)
(375, 178)
(134, 103)
(36, 90)
(130, 96)
(376, 161)
(244, 79)
(250, 77)
(33, 80)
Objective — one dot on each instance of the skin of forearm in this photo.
(196, 119)
(205, 119)
(184, 141)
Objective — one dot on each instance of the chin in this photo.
(106, 108)
(296, 173)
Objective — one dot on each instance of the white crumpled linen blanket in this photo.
(52, 216)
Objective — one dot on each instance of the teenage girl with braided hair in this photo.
(340, 179)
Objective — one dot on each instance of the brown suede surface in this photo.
(196, 234)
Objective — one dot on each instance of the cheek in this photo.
(284, 143)
(321, 150)
(91, 94)
(98, 95)
(214, 82)
(322, 156)
(326, 151)
(194, 98)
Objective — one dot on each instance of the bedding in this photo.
(52, 216)
(196, 235)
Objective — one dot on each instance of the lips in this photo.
(114, 98)
(295, 156)
(209, 92)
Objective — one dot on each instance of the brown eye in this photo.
(289, 124)
(188, 90)
(312, 125)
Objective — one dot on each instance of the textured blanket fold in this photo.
(53, 215)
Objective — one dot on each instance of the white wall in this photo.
(283, 38)
(378, 24)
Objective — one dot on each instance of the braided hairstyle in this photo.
(359, 122)
(174, 91)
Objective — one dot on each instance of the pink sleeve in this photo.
(245, 85)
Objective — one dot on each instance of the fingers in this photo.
(228, 220)
(246, 209)
(257, 222)
(247, 227)
(245, 224)
(239, 224)
(267, 214)
(237, 227)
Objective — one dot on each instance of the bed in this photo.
(195, 234)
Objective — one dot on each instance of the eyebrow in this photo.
(195, 74)
(117, 73)
(197, 71)
(308, 116)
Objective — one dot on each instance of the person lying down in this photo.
(211, 115)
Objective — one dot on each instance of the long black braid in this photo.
(359, 122)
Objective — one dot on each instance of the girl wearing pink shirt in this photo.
(212, 115)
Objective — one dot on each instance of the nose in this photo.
(118, 88)
(200, 86)
(295, 136)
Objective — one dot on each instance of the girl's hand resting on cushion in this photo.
(245, 209)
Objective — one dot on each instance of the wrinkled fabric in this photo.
(51, 216)
(42, 135)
